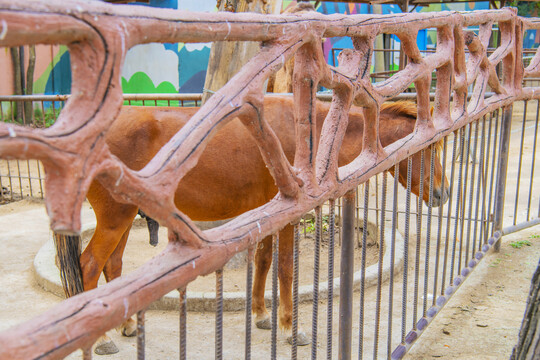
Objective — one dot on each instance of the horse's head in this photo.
(440, 193)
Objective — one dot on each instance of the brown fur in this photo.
(229, 179)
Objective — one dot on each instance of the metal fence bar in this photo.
(296, 261)
(392, 262)
(363, 271)
(346, 277)
(493, 174)
(479, 188)
(249, 301)
(463, 195)
(502, 168)
(449, 210)
(330, 296)
(141, 340)
(471, 194)
(458, 204)
(406, 253)
(182, 323)
(439, 225)
(315, 313)
(219, 315)
(518, 177)
(428, 229)
(380, 266)
(275, 269)
(533, 161)
(419, 205)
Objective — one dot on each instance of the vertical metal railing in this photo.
(346, 277)
(502, 168)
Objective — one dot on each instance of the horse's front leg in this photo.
(263, 260)
(285, 274)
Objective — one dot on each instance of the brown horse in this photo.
(229, 179)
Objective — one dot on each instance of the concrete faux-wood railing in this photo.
(74, 151)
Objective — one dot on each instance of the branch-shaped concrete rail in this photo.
(74, 152)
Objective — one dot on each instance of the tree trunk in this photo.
(528, 346)
(28, 106)
(16, 109)
(379, 45)
(227, 57)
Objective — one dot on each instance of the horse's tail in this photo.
(153, 228)
(68, 251)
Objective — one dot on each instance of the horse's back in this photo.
(230, 176)
(139, 132)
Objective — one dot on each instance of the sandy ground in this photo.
(481, 321)
(138, 251)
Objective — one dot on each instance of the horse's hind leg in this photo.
(107, 238)
(109, 231)
(113, 219)
(112, 270)
(263, 260)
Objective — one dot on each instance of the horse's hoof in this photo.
(265, 324)
(301, 339)
(129, 332)
(129, 329)
(106, 348)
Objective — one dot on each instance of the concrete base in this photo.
(48, 277)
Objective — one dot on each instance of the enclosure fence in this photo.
(423, 256)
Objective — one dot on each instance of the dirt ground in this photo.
(139, 251)
(480, 322)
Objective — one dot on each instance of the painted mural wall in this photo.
(181, 68)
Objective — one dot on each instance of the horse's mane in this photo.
(408, 109)
(400, 108)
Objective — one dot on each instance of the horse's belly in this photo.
(204, 202)
(221, 187)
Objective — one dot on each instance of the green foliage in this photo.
(310, 224)
(519, 244)
(46, 119)
(526, 8)
(41, 119)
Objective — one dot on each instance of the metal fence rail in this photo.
(438, 249)
(20, 179)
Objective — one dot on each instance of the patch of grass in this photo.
(495, 262)
(535, 236)
(310, 224)
(520, 243)
(46, 119)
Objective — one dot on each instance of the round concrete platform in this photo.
(48, 277)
